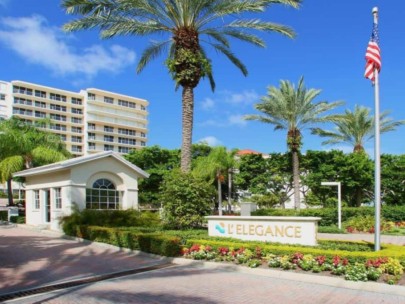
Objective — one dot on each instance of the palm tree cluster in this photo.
(23, 146)
(293, 109)
(185, 24)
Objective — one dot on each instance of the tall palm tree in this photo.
(184, 23)
(292, 109)
(356, 128)
(216, 165)
(22, 146)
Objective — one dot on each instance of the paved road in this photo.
(30, 258)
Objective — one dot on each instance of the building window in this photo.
(91, 126)
(19, 111)
(22, 90)
(58, 198)
(76, 130)
(57, 127)
(76, 120)
(102, 195)
(143, 135)
(40, 114)
(127, 104)
(108, 148)
(37, 201)
(143, 144)
(2, 97)
(109, 138)
(92, 146)
(57, 107)
(123, 149)
(127, 132)
(62, 137)
(92, 136)
(77, 101)
(143, 108)
(91, 96)
(108, 129)
(58, 117)
(77, 111)
(57, 97)
(108, 100)
(40, 104)
(76, 148)
(128, 141)
(22, 101)
(76, 139)
(41, 94)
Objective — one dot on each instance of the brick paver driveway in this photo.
(30, 258)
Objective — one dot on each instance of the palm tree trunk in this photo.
(187, 128)
(219, 194)
(10, 192)
(296, 179)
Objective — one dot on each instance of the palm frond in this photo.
(150, 53)
(231, 57)
(259, 25)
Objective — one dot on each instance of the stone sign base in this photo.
(273, 229)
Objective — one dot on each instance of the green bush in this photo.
(186, 200)
(160, 244)
(109, 218)
(17, 219)
(330, 229)
(145, 239)
(3, 215)
(330, 215)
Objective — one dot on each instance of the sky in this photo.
(328, 51)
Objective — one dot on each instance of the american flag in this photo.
(373, 58)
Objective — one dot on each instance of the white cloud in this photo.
(230, 120)
(247, 97)
(207, 104)
(211, 141)
(237, 120)
(37, 42)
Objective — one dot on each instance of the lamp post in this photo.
(339, 200)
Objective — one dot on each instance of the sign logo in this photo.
(220, 227)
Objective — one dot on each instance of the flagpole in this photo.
(377, 163)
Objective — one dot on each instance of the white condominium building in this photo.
(90, 121)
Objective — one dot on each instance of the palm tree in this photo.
(356, 128)
(216, 165)
(22, 146)
(292, 109)
(185, 22)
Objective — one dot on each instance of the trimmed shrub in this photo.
(17, 219)
(3, 215)
(160, 244)
(109, 218)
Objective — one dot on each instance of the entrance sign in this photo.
(274, 229)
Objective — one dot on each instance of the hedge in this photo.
(17, 219)
(329, 215)
(132, 238)
(3, 215)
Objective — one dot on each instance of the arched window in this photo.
(102, 195)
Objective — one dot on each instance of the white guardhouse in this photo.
(103, 180)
